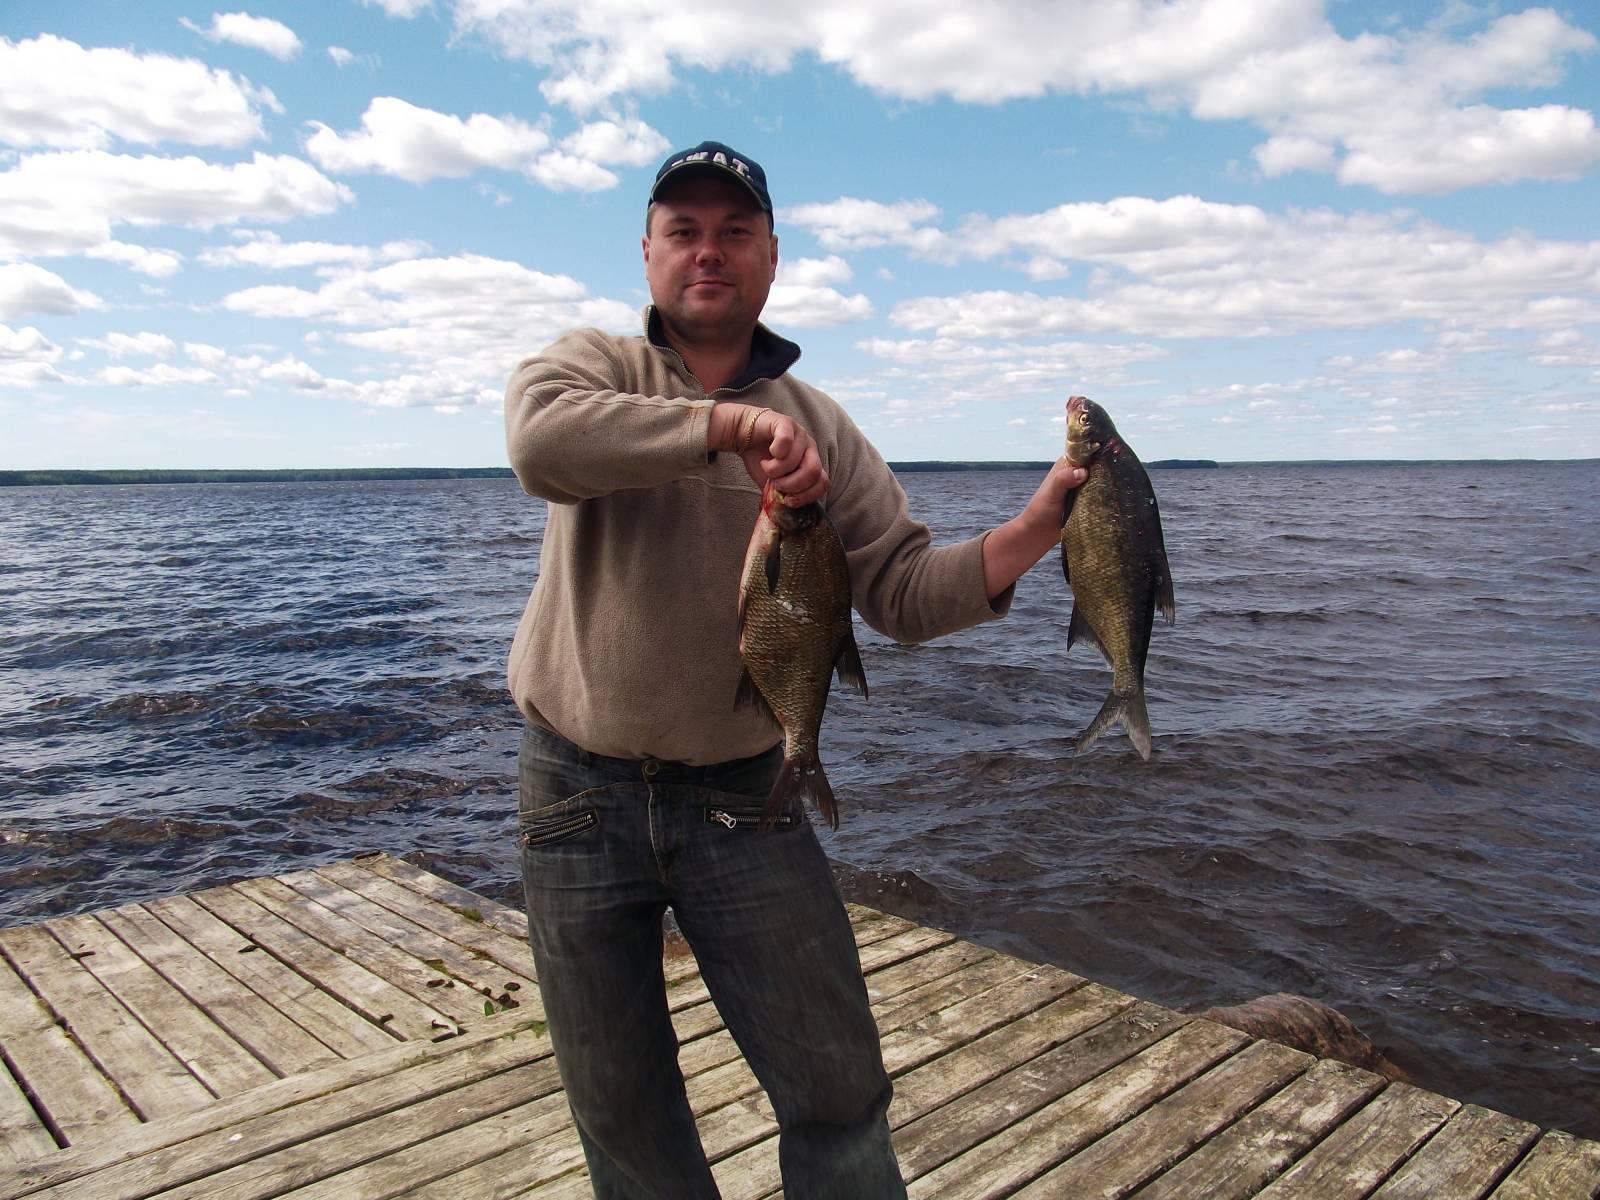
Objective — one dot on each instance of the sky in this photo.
(323, 235)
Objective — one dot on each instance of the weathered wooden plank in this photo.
(369, 994)
(354, 944)
(379, 1068)
(1559, 1165)
(569, 1187)
(550, 1166)
(945, 1133)
(1464, 1160)
(470, 905)
(282, 1117)
(270, 1036)
(477, 937)
(538, 1132)
(23, 1135)
(1361, 1153)
(901, 946)
(935, 965)
(332, 1145)
(949, 1026)
(1244, 1158)
(1026, 1150)
(154, 1081)
(76, 1099)
(923, 1089)
(453, 968)
(911, 1034)
(332, 1023)
(207, 1050)
(1156, 1138)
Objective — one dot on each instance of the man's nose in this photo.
(708, 249)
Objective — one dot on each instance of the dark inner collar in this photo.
(770, 355)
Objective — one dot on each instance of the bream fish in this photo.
(1116, 564)
(794, 633)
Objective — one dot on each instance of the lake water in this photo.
(1375, 779)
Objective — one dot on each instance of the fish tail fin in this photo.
(1137, 722)
(798, 779)
(1127, 707)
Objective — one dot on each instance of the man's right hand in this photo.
(777, 447)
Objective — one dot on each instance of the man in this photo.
(651, 451)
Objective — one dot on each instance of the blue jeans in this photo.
(607, 846)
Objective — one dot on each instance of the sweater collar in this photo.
(770, 355)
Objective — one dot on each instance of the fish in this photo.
(1115, 561)
(795, 632)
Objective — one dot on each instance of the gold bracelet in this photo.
(747, 427)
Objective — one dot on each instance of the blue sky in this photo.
(296, 235)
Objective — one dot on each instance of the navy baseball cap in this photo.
(717, 160)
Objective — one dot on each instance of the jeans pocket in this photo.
(735, 812)
(547, 828)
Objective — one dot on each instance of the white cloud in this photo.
(27, 358)
(161, 375)
(341, 57)
(68, 202)
(809, 307)
(850, 223)
(399, 8)
(54, 92)
(418, 144)
(630, 143)
(123, 345)
(160, 264)
(463, 321)
(268, 251)
(802, 295)
(204, 354)
(560, 171)
(813, 272)
(27, 342)
(258, 33)
(1183, 267)
(26, 288)
(1399, 111)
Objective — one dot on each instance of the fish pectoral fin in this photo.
(774, 564)
(747, 695)
(848, 664)
(1066, 567)
(1080, 631)
(1164, 600)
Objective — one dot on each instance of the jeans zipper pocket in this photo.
(739, 818)
(542, 834)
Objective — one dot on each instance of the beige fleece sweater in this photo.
(628, 645)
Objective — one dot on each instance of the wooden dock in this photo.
(367, 1030)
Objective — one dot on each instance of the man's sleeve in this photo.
(902, 585)
(576, 429)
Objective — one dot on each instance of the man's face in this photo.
(710, 257)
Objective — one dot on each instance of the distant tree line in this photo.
(357, 474)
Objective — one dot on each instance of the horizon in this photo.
(1298, 232)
